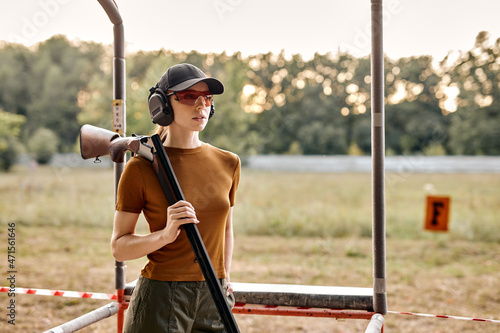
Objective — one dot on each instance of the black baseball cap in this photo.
(183, 76)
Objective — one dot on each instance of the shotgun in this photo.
(95, 142)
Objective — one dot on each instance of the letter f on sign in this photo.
(437, 213)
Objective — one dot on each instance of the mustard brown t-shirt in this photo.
(208, 177)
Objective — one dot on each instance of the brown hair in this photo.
(162, 131)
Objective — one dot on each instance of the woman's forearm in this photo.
(127, 245)
(229, 244)
(133, 246)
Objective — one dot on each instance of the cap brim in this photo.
(215, 86)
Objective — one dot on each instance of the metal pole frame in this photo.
(119, 126)
(378, 155)
(87, 319)
(378, 148)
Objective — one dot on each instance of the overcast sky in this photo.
(412, 27)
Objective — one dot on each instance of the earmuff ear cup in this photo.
(212, 110)
(160, 110)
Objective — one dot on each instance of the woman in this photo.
(171, 294)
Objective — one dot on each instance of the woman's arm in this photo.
(228, 250)
(127, 245)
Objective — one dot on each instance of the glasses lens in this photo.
(190, 97)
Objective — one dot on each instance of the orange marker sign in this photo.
(437, 213)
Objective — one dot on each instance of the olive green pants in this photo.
(173, 307)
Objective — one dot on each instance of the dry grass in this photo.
(63, 244)
(339, 204)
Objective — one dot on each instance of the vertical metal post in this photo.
(119, 126)
(378, 155)
(119, 95)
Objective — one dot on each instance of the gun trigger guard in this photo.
(97, 160)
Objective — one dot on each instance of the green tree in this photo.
(10, 127)
(16, 63)
(60, 71)
(43, 145)
(272, 103)
(475, 124)
(139, 83)
(229, 128)
(95, 98)
(414, 119)
(314, 103)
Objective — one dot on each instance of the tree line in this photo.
(272, 104)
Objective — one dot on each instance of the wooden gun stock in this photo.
(96, 141)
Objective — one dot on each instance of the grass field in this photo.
(297, 228)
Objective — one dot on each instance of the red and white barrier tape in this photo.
(63, 293)
(242, 307)
(444, 316)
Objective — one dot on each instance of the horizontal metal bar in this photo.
(329, 297)
(257, 309)
(87, 319)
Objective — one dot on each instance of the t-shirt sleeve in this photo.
(131, 188)
(236, 181)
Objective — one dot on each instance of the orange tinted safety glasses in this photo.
(190, 97)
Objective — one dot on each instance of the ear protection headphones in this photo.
(160, 109)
